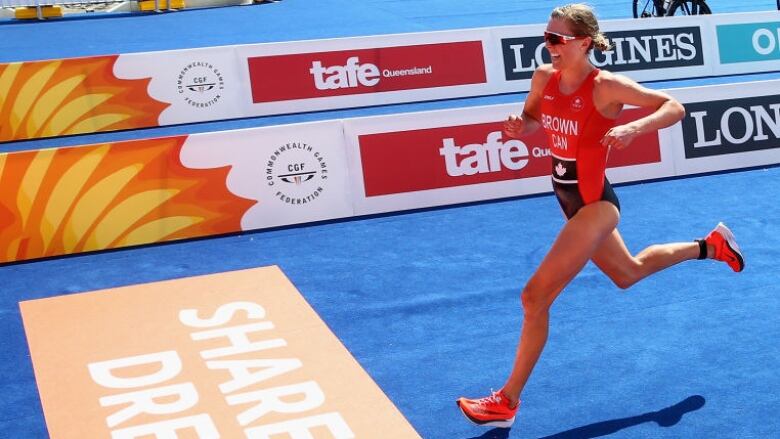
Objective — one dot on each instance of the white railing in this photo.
(7, 7)
(34, 3)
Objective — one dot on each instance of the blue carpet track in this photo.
(428, 301)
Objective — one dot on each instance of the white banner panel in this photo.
(355, 72)
(292, 77)
(391, 156)
(738, 126)
(219, 83)
(645, 50)
(168, 188)
(746, 43)
(418, 160)
(296, 173)
(199, 84)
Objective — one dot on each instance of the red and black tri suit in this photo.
(574, 129)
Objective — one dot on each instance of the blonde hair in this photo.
(582, 20)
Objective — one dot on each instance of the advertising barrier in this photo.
(738, 126)
(94, 197)
(72, 96)
(747, 43)
(645, 50)
(197, 85)
(128, 91)
(77, 199)
(355, 72)
(454, 156)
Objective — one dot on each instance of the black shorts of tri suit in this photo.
(571, 201)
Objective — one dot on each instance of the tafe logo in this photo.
(632, 50)
(726, 127)
(350, 72)
(480, 158)
(351, 75)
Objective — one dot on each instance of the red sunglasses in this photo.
(555, 39)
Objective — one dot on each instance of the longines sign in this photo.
(731, 126)
(644, 49)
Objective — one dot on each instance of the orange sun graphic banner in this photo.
(71, 200)
(68, 200)
(71, 96)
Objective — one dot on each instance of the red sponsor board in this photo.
(348, 72)
(415, 160)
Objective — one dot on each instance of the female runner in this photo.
(577, 104)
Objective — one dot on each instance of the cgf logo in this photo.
(297, 173)
(351, 75)
(201, 84)
(301, 170)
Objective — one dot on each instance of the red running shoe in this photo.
(726, 248)
(490, 411)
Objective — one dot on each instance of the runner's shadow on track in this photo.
(666, 417)
(496, 433)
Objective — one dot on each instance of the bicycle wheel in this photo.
(689, 7)
(645, 8)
